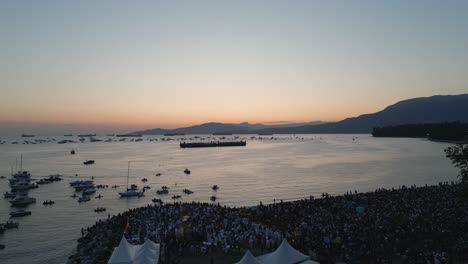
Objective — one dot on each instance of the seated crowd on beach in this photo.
(409, 225)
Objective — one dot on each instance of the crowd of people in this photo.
(406, 225)
(413, 225)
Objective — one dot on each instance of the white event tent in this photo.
(284, 254)
(248, 259)
(126, 253)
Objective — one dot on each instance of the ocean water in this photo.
(285, 168)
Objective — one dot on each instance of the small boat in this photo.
(88, 162)
(20, 213)
(11, 224)
(144, 180)
(49, 202)
(23, 185)
(100, 209)
(43, 181)
(9, 194)
(89, 191)
(65, 141)
(215, 187)
(187, 191)
(187, 171)
(115, 186)
(158, 174)
(162, 192)
(54, 177)
(155, 200)
(27, 135)
(22, 199)
(87, 135)
(130, 193)
(213, 198)
(83, 186)
(68, 135)
(98, 197)
(72, 152)
(2, 246)
(2, 177)
(176, 197)
(83, 199)
(79, 182)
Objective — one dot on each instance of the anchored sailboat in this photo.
(132, 191)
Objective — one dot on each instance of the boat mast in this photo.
(128, 173)
(21, 163)
(16, 164)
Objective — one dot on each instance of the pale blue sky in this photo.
(174, 63)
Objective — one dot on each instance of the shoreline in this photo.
(189, 245)
(462, 142)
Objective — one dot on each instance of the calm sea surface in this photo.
(287, 168)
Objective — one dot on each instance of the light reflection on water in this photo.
(262, 171)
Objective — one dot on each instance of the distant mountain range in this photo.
(435, 109)
(213, 127)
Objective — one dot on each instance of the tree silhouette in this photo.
(459, 156)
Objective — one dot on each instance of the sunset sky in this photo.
(145, 64)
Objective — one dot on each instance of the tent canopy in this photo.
(125, 253)
(248, 259)
(309, 262)
(284, 254)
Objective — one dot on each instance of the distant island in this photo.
(424, 110)
(447, 131)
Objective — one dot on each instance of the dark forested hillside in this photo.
(454, 131)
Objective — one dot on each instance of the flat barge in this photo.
(213, 144)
